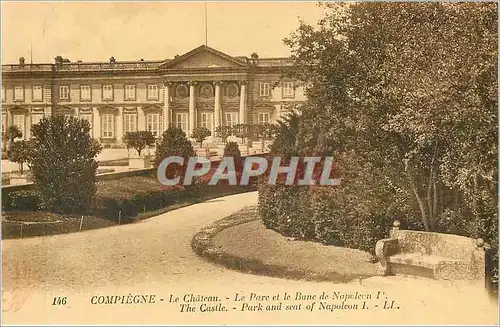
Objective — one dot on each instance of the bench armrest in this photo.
(384, 248)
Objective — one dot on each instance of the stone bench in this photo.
(433, 255)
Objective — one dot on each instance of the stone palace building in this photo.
(203, 87)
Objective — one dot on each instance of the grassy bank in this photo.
(118, 201)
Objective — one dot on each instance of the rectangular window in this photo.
(129, 92)
(37, 93)
(87, 117)
(264, 89)
(64, 92)
(19, 121)
(18, 93)
(85, 94)
(153, 92)
(130, 123)
(107, 92)
(288, 91)
(35, 118)
(108, 125)
(153, 123)
(181, 121)
(4, 93)
(206, 120)
(263, 118)
(231, 118)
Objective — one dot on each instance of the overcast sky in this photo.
(95, 31)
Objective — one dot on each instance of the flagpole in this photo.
(206, 23)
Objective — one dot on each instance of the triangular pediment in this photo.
(203, 57)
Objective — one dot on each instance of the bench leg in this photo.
(383, 249)
(382, 264)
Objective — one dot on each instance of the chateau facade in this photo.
(203, 87)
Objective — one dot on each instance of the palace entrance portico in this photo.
(207, 103)
(205, 87)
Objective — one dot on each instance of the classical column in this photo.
(192, 108)
(10, 118)
(119, 125)
(243, 102)
(217, 111)
(96, 123)
(167, 114)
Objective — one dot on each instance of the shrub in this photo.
(319, 214)
(200, 133)
(173, 142)
(12, 133)
(242, 131)
(63, 164)
(223, 132)
(231, 150)
(19, 152)
(139, 140)
(21, 200)
(110, 207)
(285, 209)
(285, 133)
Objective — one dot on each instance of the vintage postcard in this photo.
(249, 163)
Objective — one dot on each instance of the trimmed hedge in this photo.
(28, 200)
(325, 214)
(110, 207)
(132, 196)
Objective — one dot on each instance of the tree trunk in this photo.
(429, 198)
(423, 213)
(436, 203)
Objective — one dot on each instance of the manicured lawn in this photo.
(21, 224)
(242, 242)
(141, 191)
(122, 188)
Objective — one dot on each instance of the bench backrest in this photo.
(429, 243)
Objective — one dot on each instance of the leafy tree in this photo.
(223, 132)
(12, 133)
(200, 133)
(173, 142)
(63, 163)
(411, 94)
(20, 152)
(258, 132)
(264, 132)
(139, 140)
(232, 150)
(286, 133)
(242, 131)
(411, 90)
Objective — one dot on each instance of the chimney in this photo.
(21, 61)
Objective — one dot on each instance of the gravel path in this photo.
(154, 257)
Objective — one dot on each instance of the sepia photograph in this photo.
(249, 163)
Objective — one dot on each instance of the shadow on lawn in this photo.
(202, 244)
